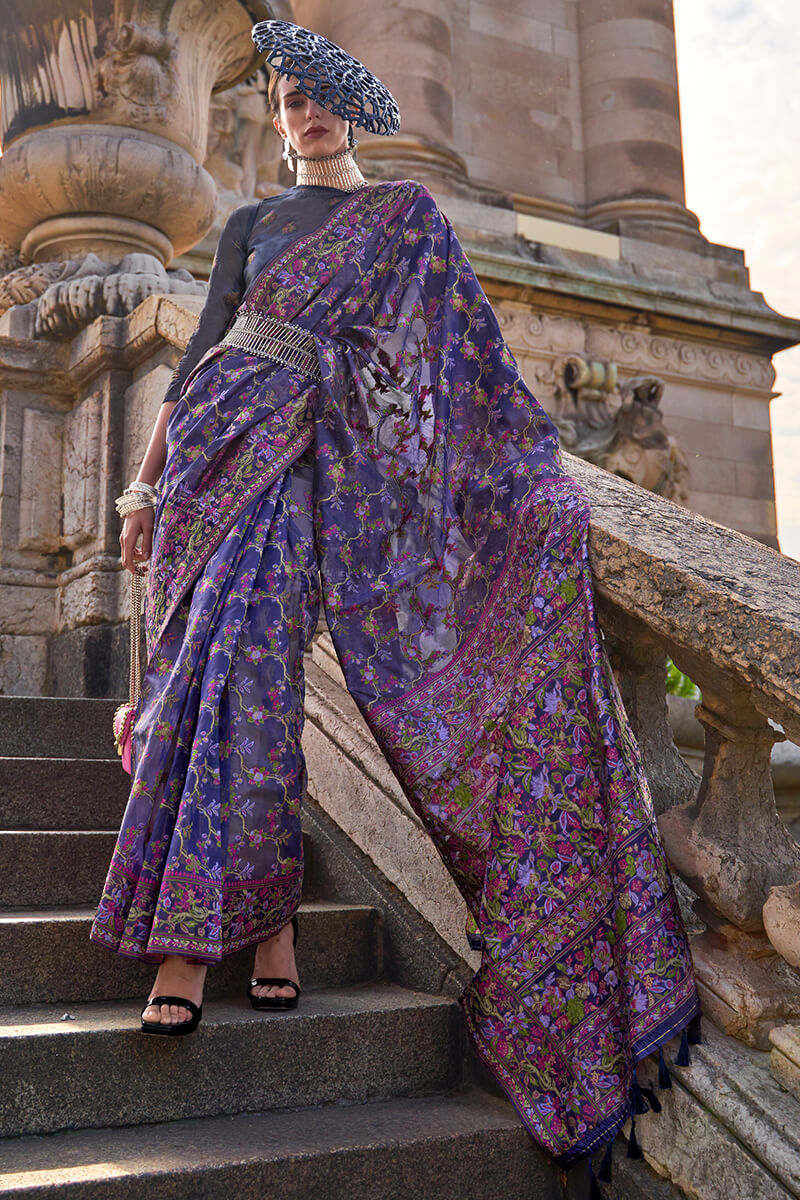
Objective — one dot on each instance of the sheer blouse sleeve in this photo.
(226, 286)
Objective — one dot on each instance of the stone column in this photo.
(410, 47)
(633, 157)
(104, 132)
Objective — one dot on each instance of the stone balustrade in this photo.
(727, 611)
(725, 608)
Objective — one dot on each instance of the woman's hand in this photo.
(136, 538)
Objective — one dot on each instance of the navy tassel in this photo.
(634, 1150)
(695, 1036)
(644, 1099)
(637, 1100)
(594, 1187)
(682, 1058)
(605, 1166)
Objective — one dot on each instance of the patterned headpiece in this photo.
(328, 75)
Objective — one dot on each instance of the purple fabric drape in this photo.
(419, 486)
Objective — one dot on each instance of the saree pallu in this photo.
(419, 490)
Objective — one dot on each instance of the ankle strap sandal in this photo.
(281, 1003)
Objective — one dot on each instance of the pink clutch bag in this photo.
(125, 716)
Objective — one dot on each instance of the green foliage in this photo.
(679, 684)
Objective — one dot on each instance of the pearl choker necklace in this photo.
(338, 170)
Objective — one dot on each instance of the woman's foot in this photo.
(176, 977)
(275, 958)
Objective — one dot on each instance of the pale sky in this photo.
(738, 63)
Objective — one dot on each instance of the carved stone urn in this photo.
(104, 126)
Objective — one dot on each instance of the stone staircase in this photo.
(367, 1089)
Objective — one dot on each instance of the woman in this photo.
(348, 425)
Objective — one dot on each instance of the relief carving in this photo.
(620, 428)
(138, 67)
(637, 349)
(71, 294)
(241, 140)
(9, 256)
(24, 284)
(633, 348)
(539, 332)
(40, 481)
(83, 459)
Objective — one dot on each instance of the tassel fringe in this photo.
(638, 1103)
(634, 1150)
(594, 1187)
(605, 1166)
(682, 1058)
(643, 1099)
(694, 1030)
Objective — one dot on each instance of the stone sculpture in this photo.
(620, 428)
(70, 294)
(101, 179)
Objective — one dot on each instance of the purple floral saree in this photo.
(418, 493)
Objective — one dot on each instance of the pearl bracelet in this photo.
(130, 502)
(136, 495)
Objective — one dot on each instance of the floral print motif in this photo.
(210, 855)
(420, 487)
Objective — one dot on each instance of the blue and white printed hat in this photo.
(328, 75)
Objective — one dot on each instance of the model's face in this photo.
(310, 128)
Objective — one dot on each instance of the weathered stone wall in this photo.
(76, 419)
(716, 402)
(521, 60)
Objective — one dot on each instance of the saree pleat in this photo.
(210, 856)
(420, 491)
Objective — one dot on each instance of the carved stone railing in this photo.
(727, 611)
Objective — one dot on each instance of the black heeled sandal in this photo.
(264, 1003)
(178, 1030)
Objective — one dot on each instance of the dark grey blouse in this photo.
(252, 237)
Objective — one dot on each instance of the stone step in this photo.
(46, 868)
(456, 1147)
(56, 727)
(345, 1044)
(49, 959)
(62, 793)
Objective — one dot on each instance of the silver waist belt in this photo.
(280, 341)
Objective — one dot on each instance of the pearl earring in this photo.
(287, 153)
